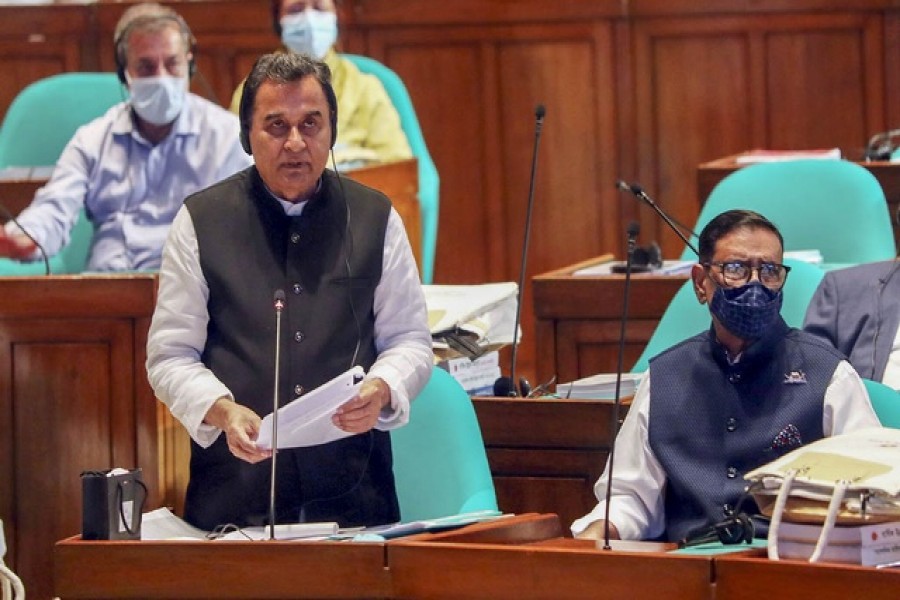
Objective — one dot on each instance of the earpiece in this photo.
(123, 30)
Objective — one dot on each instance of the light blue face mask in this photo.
(310, 32)
(157, 100)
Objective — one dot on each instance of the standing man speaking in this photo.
(340, 252)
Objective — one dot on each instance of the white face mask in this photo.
(310, 32)
(158, 100)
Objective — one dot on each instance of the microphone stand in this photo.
(539, 113)
(279, 308)
(641, 195)
(633, 230)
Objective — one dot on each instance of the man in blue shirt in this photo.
(131, 169)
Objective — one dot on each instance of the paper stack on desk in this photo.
(469, 320)
(600, 387)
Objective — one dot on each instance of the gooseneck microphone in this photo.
(641, 195)
(279, 301)
(506, 386)
(632, 233)
(10, 217)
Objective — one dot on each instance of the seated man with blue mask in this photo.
(131, 169)
(726, 401)
(368, 124)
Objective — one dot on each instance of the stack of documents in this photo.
(163, 524)
(600, 387)
(469, 320)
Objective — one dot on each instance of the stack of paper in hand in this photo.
(600, 387)
(469, 320)
(476, 376)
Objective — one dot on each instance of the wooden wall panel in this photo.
(480, 129)
(36, 43)
(694, 99)
(710, 86)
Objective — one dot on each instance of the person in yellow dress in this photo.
(369, 127)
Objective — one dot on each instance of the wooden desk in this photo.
(532, 558)
(887, 173)
(74, 396)
(578, 319)
(546, 455)
(259, 570)
(752, 578)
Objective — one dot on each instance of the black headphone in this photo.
(245, 112)
(120, 40)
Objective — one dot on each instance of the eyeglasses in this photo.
(738, 272)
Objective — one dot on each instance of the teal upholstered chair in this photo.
(43, 117)
(834, 206)
(440, 464)
(429, 183)
(40, 122)
(685, 317)
(885, 401)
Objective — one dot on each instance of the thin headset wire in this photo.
(348, 246)
(352, 488)
(348, 240)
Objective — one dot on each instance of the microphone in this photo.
(732, 530)
(641, 195)
(279, 301)
(9, 216)
(632, 233)
(506, 386)
(880, 146)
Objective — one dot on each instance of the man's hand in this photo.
(241, 428)
(361, 413)
(596, 531)
(16, 246)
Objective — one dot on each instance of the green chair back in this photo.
(440, 465)
(429, 182)
(43, 117)
(886, 402)
(34, 132)
(685, 316)
(834, 206)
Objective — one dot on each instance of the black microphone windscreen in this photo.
(634, 228)
(636, 190)
(539, 112)
(279, 300)
(504, 387)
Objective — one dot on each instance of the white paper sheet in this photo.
(306, 421)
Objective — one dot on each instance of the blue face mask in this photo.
(158, 100)
(310, 32)
(746, 311)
